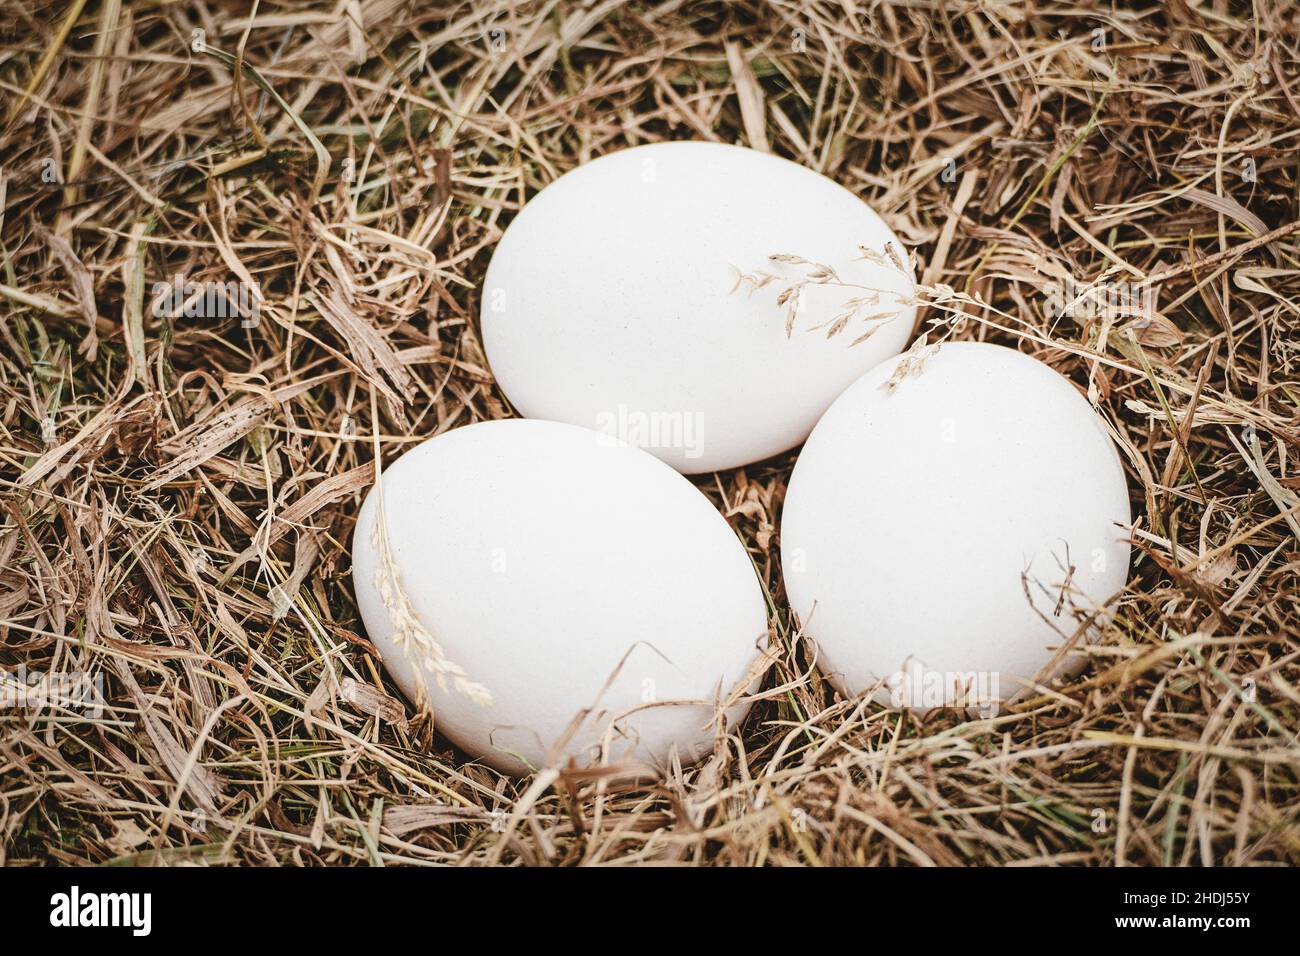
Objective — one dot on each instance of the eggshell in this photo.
(614, 301)
(917, 521)
(548, 560)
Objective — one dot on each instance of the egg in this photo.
(585, 600)
(637, 295)
(950, 522)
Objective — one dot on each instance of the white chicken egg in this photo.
(594, 593)
(637, 295)
(945, 534)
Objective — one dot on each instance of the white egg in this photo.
(615, 301)
(920, 522)
(581, 581)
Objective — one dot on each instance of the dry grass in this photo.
(178, 494)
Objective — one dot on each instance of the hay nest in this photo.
(178, 493)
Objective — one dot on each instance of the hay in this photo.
(179, 492)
